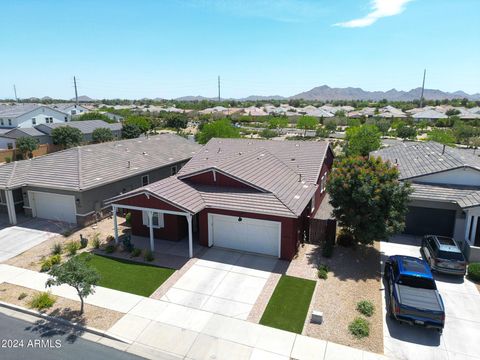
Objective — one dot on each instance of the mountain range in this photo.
(327, 93)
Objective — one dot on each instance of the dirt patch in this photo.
(32, 258)
(94, 316)
(354, 275)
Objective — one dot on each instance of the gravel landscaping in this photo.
(67, 309)
(32, 258)
(354, 275)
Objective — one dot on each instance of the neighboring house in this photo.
(70, 108)
(71, 185)
(254, 111)
(429, 115)
(249, 195)
(8, 139)
(446, 197)
(114, 117)
(313, 111)
(31, 115)
(87, 127)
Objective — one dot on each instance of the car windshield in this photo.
(450, 255)
(416, 282)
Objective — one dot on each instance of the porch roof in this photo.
(464, 197)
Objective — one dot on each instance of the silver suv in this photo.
(443, 255)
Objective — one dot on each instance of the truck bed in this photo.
(423, 299)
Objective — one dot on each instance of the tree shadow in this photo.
(48, 328)
(358, 263)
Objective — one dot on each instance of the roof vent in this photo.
(144, 153)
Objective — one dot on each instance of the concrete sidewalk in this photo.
(156, 327)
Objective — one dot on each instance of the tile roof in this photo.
(85, 126)
(90, 166)
(282, 174)
(19, 132)
(18, 109)
(429, 114)
(463, 196)
(415, 159)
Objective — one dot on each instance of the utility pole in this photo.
(219, 99)
(423, 87)
(76, 93)
(15, 91)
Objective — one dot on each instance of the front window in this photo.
(157, 219)
(145, 180)
(34, 121)
(9, 122)
(1, 122)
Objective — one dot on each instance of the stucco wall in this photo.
(464, 176)
(39, 114)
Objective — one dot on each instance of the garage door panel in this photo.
(253, 235)
(54, 206)
(422, 221)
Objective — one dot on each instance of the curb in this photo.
(89, 329)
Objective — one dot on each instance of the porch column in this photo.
(190, 238)
(12, 216)
(474, 230)
(115, 223)
(467, 227)
(150, 224)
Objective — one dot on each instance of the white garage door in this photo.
(259, 236)
(54, 206)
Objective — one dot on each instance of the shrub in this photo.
(322, 271)
(110, 238)
(345, 240)
(72, 247)
(42, 300)
(110, 248)
(359, 328)
(57, 249)
(127, 244)
(327, 250)
(83, 242)
(128, 219)
(46, 265)
(96, 241)
(474, 271)
(55, 259)
(22, 296)
(365, 307)
(136, 252)
(8, 159)
(148, 256)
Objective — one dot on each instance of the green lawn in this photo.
(289, 304)
(124, 275)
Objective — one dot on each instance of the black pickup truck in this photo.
(412, 294)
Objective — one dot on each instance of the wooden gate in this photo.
(321, 231)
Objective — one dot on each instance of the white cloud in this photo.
(380, 9)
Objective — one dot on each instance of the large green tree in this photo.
(102, 135)
(278, 122)
(66, 136)
(222, 128)
(130, 131)
(361, 140)
(76, 273)
(176, 121)
(441, 136)
(307, 123)
(26, 145)
(141, 122)
(406, 132)
(368, 200)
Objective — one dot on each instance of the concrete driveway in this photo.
(462, 325)
(16, 239)
(223, 282)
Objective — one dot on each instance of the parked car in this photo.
(412, 294)
(443, 255)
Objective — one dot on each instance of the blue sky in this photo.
(171, 48)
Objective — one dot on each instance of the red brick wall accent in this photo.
(290, 231)
(221, 180)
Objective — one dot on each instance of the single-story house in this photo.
(72, 185)
(429, 115)
(87, 127)
(446, 196)
(8, 139)
(248, 195)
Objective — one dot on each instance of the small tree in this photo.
(278, 122)
(26, 146)
(307, 123)
(77, 274)
(66, 136)
(102, 135)
(176, 120)
(445, 137)
(361, 140)
(131, 131)
(222, 128)
(406, 132)
(369, 201)
(141, 122)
